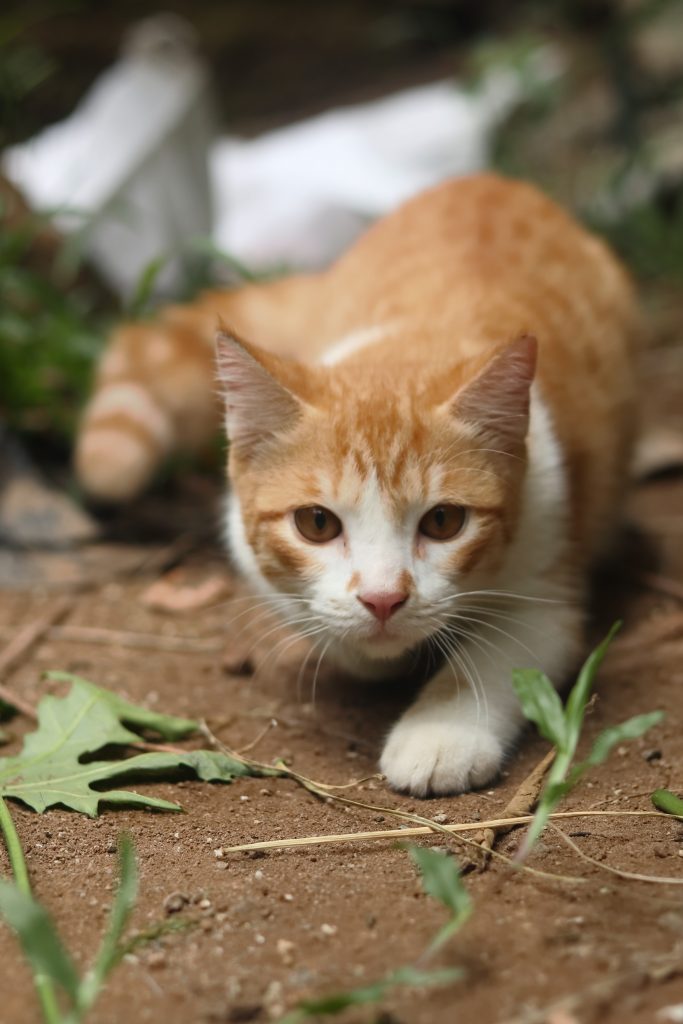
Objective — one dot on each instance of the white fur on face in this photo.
(378, 547)
(378, 551)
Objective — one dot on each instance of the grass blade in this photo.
(39, 939)
(578, 697)
(441, 879)
(110, 951)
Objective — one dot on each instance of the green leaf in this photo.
(631, 729)
(578, 697)
(441, 879)
(39, 939)
(541, 704)
(665, 800)
(51, 769)
(167, 726)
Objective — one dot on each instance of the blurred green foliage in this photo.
(51, 331)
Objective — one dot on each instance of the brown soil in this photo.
(266, 931)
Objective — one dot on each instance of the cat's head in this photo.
(365, 502)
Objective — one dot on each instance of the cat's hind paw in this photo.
(440, 758)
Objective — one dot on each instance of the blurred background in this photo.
(149, 151)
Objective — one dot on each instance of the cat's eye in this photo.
(443, 522)
(317, 524)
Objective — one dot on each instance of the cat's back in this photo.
(477, 245)
(472, 264)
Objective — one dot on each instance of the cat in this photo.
(429, 445)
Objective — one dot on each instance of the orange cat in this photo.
(429, 446)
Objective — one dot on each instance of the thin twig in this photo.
(126, 638)
(21, 645)
(402, 833)
(632, 876)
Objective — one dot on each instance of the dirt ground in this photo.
(265, 931)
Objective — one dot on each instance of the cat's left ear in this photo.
(496, 400)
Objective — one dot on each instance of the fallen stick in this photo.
(125, 638)
(402, 833)
(18, 648)
(522, 803)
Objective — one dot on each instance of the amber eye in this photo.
(442, 522)
(317, 524)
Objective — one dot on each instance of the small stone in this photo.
(175, 902)
(660, 850)
(328, 929)
(244, 798)
(156, 958)
(285, 950)
(652, 755)
(204, 904)
(288, 898)
(440, 818)
(260, 939)
(219, 853)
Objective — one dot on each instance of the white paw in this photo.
(423, 757)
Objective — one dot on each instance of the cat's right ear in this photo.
(257, 406)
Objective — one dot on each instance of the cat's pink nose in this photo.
(383, 606)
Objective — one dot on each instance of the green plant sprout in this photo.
(52, 966)
(562, 727)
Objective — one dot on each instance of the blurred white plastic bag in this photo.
(298, 195)
(130, 163)
(135, 155)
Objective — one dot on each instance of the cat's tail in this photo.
(155, 394)
(156, 391)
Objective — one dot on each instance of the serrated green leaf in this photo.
(39, 939)
(541, 704)
(441, 879)
(665, 800)
(50, 769)
(169, 727)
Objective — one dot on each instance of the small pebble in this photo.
(174, 902)
(285, 950)
(440, 818)
(328, 929)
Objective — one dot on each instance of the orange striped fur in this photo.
(473, 351)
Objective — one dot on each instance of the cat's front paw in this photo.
(440, 757)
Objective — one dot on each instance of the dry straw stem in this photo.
(633, 876)
(456, 829)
